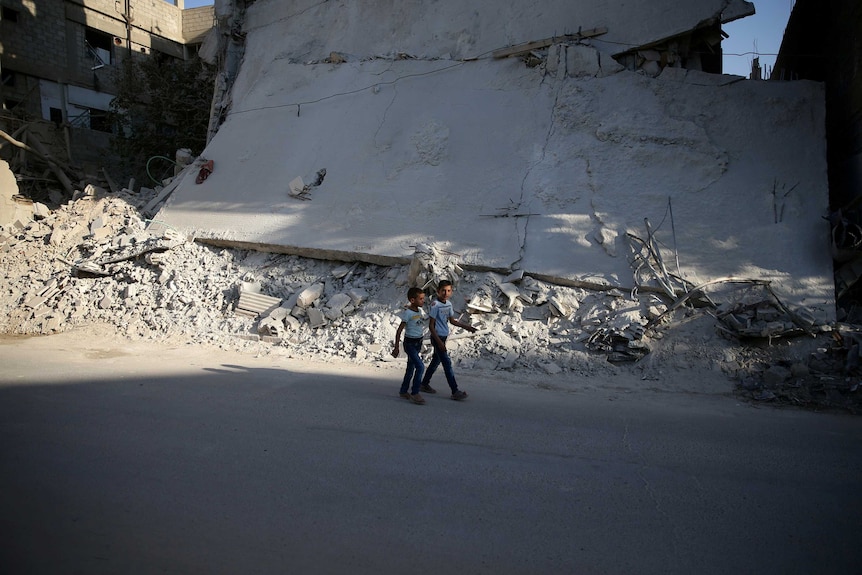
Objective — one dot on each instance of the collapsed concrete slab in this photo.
(548, 167)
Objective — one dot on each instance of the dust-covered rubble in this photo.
(96, 260)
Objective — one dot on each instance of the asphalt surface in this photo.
(177, 462)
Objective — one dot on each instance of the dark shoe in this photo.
(417, 399)
(459, 395)
(404, 395)
(427, 388)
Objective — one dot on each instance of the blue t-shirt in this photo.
(441, 312)
(415, 321)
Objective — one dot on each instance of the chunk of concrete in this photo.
(315, 317)
(309, 295)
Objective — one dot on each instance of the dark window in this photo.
(7, 77)
(100, 120)
(99, 47)
(11, 104)
(56, 115)
(9, 15)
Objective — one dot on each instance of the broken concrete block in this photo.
(309, 295)
(342, 271)
(561, 308)
(511, 292)
(338, 302)
(480, 305)
(40, 210)
(357, 296)
(315, 317)
(280, 313)
(291, 323)
(270, 326)
(514, 277)
(535, 313)
(805, 317)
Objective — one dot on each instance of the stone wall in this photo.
(196, 23)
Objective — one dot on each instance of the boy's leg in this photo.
(408, 374)
(432, 367)
(447, 369)
(415, 360)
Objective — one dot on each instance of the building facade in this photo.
(58, 58)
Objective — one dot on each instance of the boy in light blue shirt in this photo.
(413, 319)
(441, 316)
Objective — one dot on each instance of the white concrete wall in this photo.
(546, 169)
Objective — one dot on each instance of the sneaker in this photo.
(404, 395)
(459, 395)
(427, 388)
(417, 399)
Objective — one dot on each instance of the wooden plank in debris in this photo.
(539, 44)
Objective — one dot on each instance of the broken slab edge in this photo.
(314, 253)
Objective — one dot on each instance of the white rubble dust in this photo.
(95, 264)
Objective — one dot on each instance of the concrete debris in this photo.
(430, 265)
(310, 295)
(298, 189)
(254, 303)
(147, 282)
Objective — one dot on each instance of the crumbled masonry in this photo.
(96, 261)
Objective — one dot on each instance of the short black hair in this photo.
(442, 284)
(413, 292)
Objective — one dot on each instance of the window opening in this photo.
(9, 15)
(99, 47)
(7, 78)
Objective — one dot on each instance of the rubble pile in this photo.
(96, 260)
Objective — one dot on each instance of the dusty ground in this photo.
(687, 360)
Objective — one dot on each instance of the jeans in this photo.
(439, 357)
(415, 367)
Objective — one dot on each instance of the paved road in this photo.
(171, 463)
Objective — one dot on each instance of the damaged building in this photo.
(59, 60)
(581, 170)
(523, 146)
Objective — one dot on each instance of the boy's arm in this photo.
(397, 347)
(469, 328)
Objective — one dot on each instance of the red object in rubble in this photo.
(205, 171)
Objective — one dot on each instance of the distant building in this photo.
(834, 59)
(57, 57)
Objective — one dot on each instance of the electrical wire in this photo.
(158, 182)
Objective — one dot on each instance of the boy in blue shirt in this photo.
(441, 316)
(413, 324)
